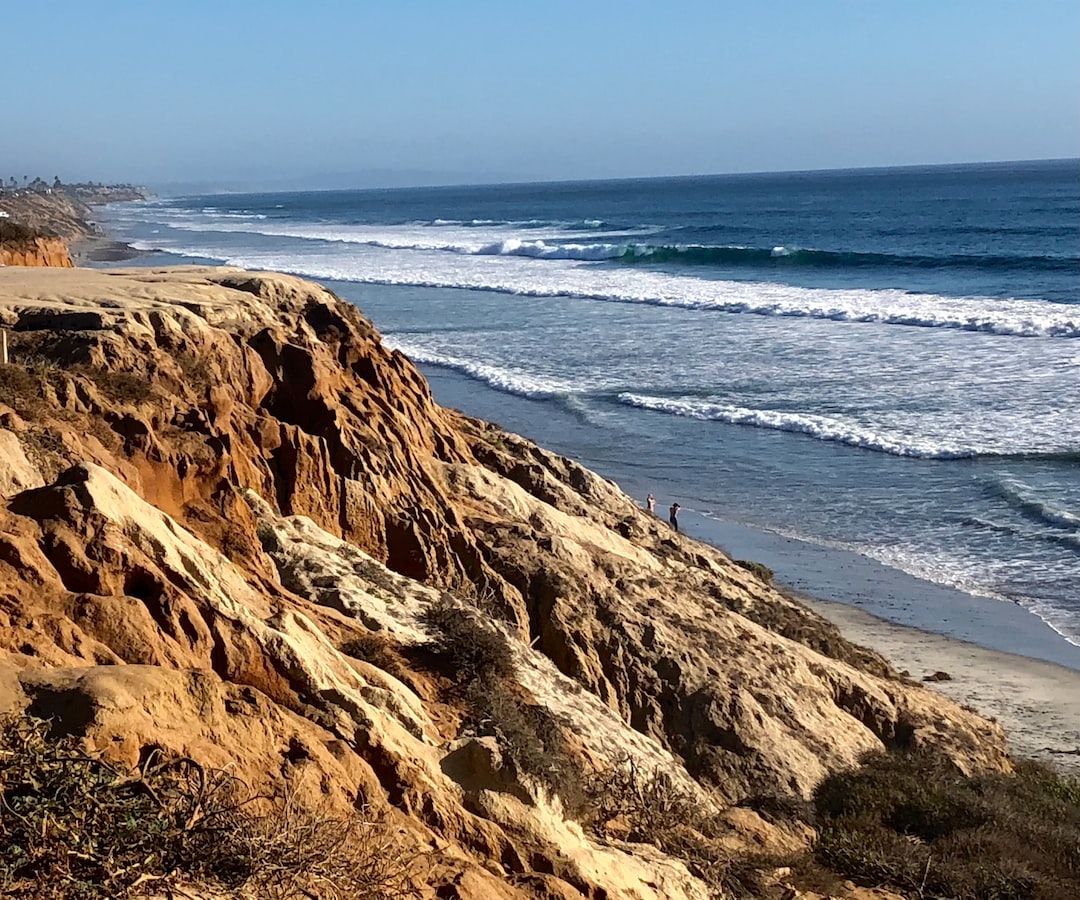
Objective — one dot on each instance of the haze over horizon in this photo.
(231, 96)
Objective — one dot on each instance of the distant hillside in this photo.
(38, 223)
(62, 211)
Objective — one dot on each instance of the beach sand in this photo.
(103, 250)
(1038, 703)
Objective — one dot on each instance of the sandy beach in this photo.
(1038, 703)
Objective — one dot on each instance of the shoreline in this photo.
(1030, 682)
(1036, 699)
(102, 249)
(861, 583)
(1036, 702)
(828, 573)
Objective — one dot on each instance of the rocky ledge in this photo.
(238, 529)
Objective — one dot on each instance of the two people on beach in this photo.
(673, 513)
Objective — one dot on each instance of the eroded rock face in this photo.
(216, 479)
(41, 251)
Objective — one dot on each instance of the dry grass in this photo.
(195, 370)
(530, 737)
(121, 387)
(795, 622)
(29, 385)
(73, 827)
(479, 660)
(647, 806)
(471, 647)
(22, 387)
(380, 651)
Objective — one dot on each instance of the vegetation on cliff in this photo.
(72, 825)
(237, 529)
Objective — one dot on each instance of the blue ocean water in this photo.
(885, 362)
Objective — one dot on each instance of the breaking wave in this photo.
(456, 236)
(823, 428)
(508, 380)
(508, 275)
(1021, 498)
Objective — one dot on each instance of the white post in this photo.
(3, 346)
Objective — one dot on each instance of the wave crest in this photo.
(1021, 498)
(508, 380)
(823, 428)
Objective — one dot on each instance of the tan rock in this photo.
(16, 471)
(236, 479)
(39, 251)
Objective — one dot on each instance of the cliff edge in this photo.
(239, 530)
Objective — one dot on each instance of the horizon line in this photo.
(601, 180)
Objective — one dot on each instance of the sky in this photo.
(315, 93)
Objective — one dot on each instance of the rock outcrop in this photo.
(218, 482)
(65, 212)
(36, 251)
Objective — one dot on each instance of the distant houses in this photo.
(88, 190)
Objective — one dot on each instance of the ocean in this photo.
(867, 378)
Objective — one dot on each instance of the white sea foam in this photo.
(509, 380)
(545, 250)
(936, 564)
(1053, 535)
(512, 274)
(1022, 498)
(970, 575)
(449, 236)
(823, 428)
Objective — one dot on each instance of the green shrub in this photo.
(471, 647)
(913, 822)
(762, 571)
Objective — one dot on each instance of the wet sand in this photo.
(102, 250)
(1038, 703)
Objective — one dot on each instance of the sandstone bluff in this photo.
(216, 482)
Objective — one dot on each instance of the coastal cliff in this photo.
(39, 227)
(238, 529)
(36, 251)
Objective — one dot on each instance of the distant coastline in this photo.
(37, 213)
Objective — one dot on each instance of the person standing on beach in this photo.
(673, 516)
(650, 503)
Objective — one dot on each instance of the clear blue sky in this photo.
(327, 92)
